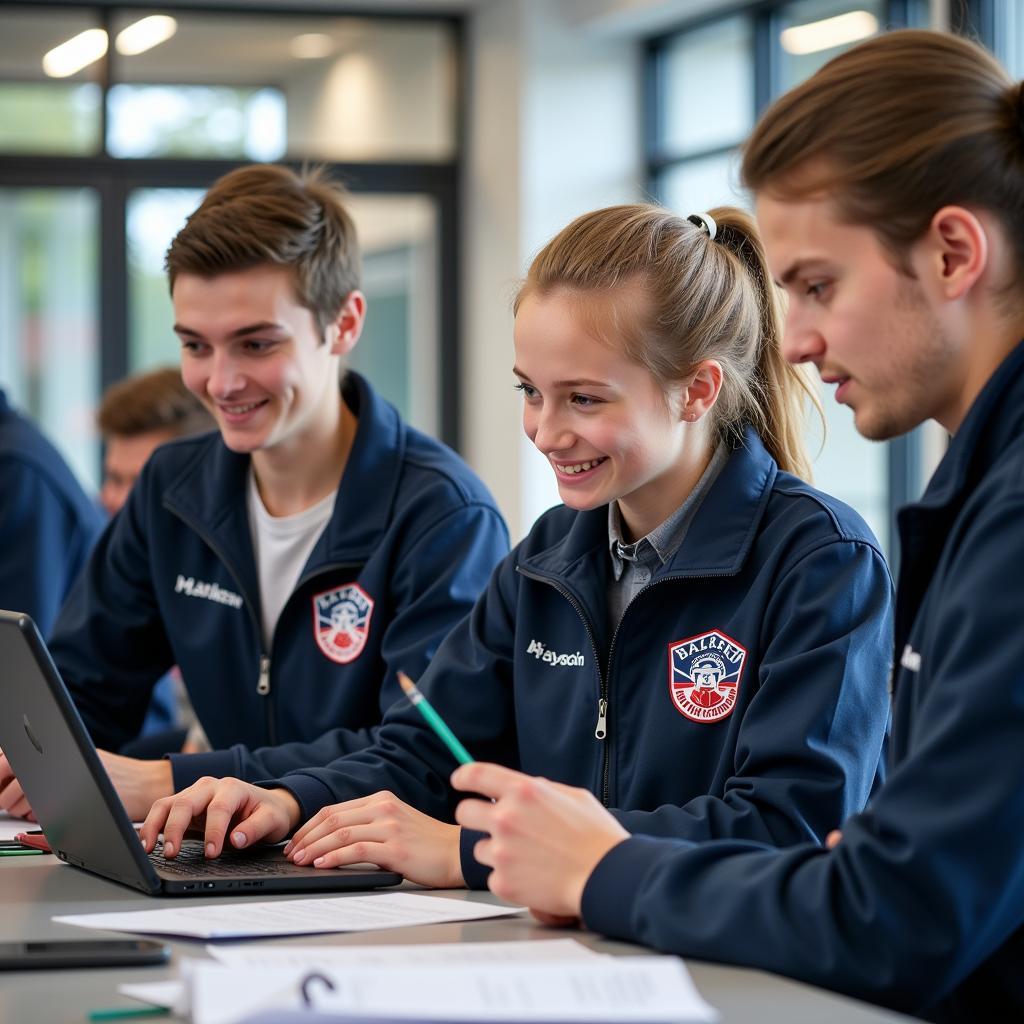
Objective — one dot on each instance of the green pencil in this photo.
(126, 1012)
(434, 720)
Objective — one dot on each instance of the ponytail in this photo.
(777, 391)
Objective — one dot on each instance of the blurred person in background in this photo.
(135, 417)
(47, 523)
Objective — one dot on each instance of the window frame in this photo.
(115, 178)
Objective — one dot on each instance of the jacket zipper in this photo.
(601, 729)
(263, 686)
(263, 678)
(604, 678)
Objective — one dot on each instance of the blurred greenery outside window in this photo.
(50, 117)
(196, 121)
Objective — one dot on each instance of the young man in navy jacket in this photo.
(890, 192)
(292, 562)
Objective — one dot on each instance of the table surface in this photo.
(33, 889)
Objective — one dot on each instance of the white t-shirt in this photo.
(282, 546)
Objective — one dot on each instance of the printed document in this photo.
(600, 990)
(303, 959)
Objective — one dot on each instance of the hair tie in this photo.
(706, 222)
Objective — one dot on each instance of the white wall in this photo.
(553, 132)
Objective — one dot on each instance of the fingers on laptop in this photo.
(263, 814)
(217, 808)
(189, 810)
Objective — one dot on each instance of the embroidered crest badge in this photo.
(704, 675)
(341, 622)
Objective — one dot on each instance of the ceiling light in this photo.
(145, 34)
(311, 46)
(829, 33)
(75, 54)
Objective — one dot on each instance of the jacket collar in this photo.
(995, 418)
(209, 493)
(717, 543)
(992, 422)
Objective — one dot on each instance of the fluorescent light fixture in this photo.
(311, 46)
(145, 34)
(831, 32)
(78, 52)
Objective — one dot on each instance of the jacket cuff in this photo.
(474, 873)
(609, 898)
(189, 768)
(311, 793)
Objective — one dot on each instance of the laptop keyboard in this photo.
(192, 863)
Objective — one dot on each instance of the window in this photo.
(106, 147)
(1009, 36)
(997, 24)
(706, 83)
(703, 85)
(812, 32)
(196, 121)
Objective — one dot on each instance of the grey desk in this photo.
(33, 889)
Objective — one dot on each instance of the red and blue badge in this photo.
(341, 622)
(704, 675)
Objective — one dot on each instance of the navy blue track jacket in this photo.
(921, 906)
(778, 593)
(411, 543)
(47, 524)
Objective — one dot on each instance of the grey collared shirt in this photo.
(634, 565)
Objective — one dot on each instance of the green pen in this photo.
(23, 852)
(126, 1012)
(434, 720)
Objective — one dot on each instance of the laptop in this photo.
(80, 813)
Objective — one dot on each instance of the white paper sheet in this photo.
(170, 994)
(327, 957)
(612, 990)
(293, 917)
